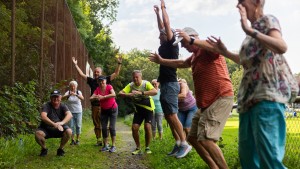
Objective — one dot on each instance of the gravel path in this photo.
(123, 159)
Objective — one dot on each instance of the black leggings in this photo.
(111, 115)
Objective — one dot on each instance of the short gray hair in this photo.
(73, 82)
(136, 71)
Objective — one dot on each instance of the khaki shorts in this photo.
(209, 124)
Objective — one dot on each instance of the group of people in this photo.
(265, 89)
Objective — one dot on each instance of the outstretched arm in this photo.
(78, 69)
(175, 63)
(117, 71)
(166, 20)
(159, 21)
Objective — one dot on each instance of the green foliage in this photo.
(19, 109)
(236, 78)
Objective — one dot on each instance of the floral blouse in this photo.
(266, 73)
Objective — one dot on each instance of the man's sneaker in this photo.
(77, 142)
(137, 151)
(112, 149)
(60, 152)
(174, 151)
(183, 151)
(44, 152)
(104, 148)
(72, 142)
(148, 151)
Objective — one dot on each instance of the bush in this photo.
(19, 107)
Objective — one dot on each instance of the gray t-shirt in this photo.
(55, 115)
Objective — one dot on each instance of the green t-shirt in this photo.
(145, 86)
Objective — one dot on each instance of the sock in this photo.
(184, 143)
(178, 142)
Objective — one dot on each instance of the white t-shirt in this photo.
(74, 103)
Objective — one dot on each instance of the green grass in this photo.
(15, 155)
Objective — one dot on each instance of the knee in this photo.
(68, 133)
(39, 134)
(135, 127)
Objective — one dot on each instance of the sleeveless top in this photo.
(187, 103)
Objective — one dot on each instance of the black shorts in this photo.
(142, 114)
(52, 132)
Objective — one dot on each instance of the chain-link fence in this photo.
(292, 156)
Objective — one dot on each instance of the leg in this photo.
(182, 116)
(72, 126)
(269, 128)
(112, 126)
(247, 148)
(176, 126)
(40, 138)
(104, 121)
(96, 121)
(159, 124)
(78, 125)
(202, 152)
(215, 153)
(135, 135)
(65, 138)
(153, 126)
(147, 127)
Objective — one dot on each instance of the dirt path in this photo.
(125, 144)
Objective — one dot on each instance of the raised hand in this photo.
(156, 9)
(154, 57)
(217, 44)
(183, 34)
(74, 60)
(120, 58)
(244, 23)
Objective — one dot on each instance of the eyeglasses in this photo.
(241, 1)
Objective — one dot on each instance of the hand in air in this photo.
(154, 57)
(217, 44)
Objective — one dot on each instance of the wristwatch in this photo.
(192, 40)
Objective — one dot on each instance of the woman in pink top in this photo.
(109, 111)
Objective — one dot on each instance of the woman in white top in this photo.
(73, 101)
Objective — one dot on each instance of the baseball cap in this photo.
(55, 93)
(189, 31)
(102, 78)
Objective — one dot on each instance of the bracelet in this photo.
(143, 93)
(254, 34)
(119, 63)
(164, 7)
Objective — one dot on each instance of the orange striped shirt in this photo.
(211, 77)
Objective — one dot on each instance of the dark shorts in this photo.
(141, 115)
(52, 132)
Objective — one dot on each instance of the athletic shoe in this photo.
(104, 148)
(137, 151)
(112, 149)
(148, 151)
(77, 142)
(174, 151)
(183, 151)
(99, 143)
(44, 152)
(73, 142)
(60, 152)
